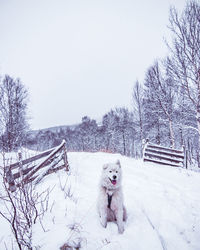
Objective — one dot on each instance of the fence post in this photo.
(10, 179)
(65, 157)
(144, 145)
(186, 158)
(185, 151)
(20, 164)
(164, 155)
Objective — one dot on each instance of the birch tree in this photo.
(163, 94)
(138, 95)
(13, 110)
(184, 60)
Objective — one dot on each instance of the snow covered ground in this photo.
(163, 205)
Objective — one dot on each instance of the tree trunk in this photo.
(171, 132)
(198, 117)
(141, 124)
(158, 133)
(141, 134)
(181, 137)
(198, 126)
(124, 143)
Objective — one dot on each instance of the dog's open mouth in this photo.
(114, 182)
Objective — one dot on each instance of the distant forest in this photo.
(116, 134)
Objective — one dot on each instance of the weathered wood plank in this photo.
(50, 171)
(164, 153)
(53, 158)
(165, 148)
(24, 172)
(47, 169)
(45, 161)
(159, 156)
(162, 163)
(31, 159)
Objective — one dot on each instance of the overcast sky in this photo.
(80, 57)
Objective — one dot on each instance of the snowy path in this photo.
(163, 205)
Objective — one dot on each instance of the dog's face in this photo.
(112, 174)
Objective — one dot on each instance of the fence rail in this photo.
(163, 155)
(30, 170)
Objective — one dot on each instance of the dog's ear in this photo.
(118, 163)
(105, 166)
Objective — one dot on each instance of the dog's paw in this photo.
(121, 229)
(103, 222)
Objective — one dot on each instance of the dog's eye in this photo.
(110, 171)
(116, 171)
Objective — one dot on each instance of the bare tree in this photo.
(13, 108)
(162, 91)
(184, 60)
(119, 131)
(87, 130)
(125, 128)
(137, 97)
(22, 208)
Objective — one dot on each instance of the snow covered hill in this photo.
(163, 205)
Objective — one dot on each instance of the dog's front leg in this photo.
(103, 216)
(119, 217)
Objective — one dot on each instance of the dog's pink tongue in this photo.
(114, 182)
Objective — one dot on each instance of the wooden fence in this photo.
(35, 168)
(163, 155)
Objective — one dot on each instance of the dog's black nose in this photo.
(114, 177)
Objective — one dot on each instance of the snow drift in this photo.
(163, 205)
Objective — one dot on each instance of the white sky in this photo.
(80, 57)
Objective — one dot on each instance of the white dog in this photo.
(110, 200)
